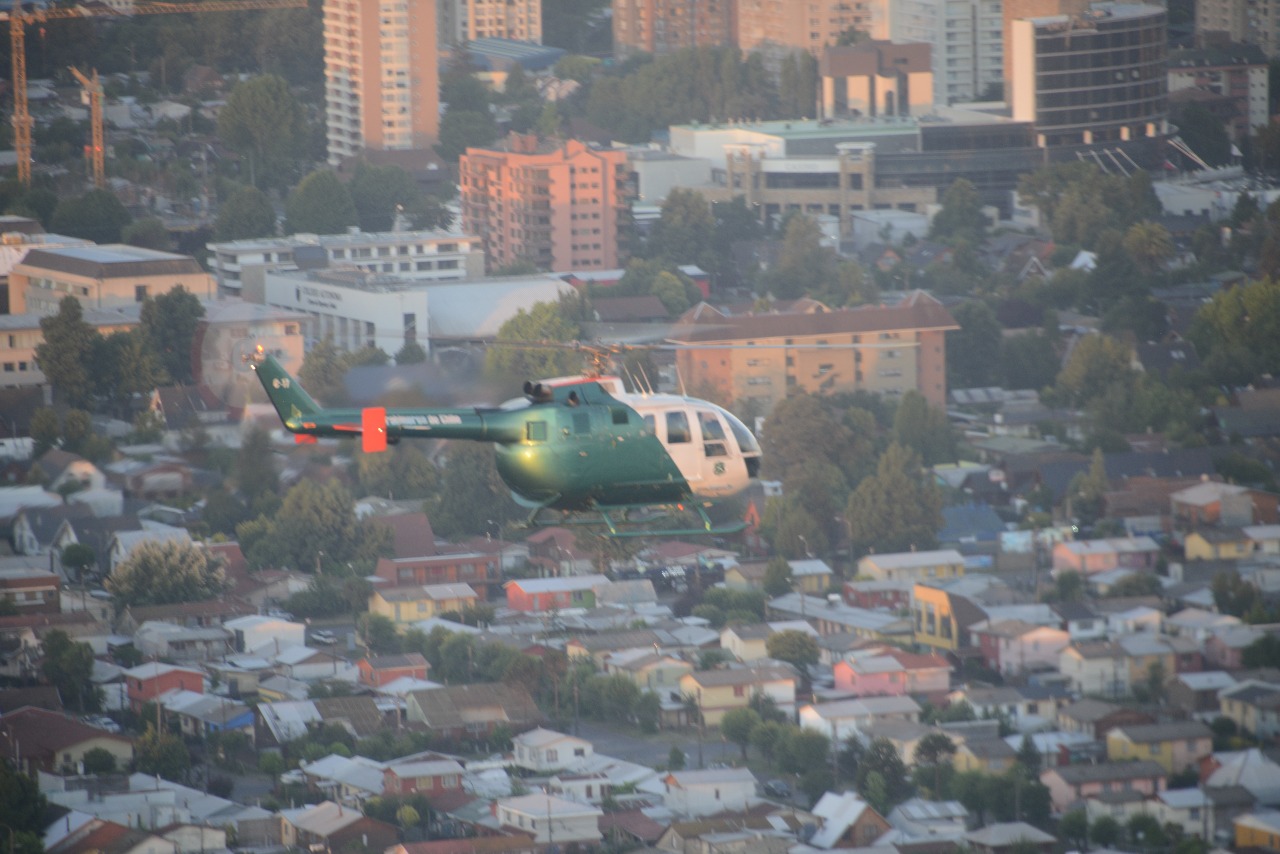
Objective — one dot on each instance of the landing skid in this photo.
(619, 522)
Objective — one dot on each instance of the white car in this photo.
(324, 637)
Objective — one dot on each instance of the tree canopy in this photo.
(164, 572)
(320, 205)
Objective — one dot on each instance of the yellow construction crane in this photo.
(20, 18)
(93, 89)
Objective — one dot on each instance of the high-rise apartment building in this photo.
(662, 26)
(1096, 77)
(1249, 21)
(461, 21)
(553, 204)
(382, 88)
(774, 27)
(966, 36)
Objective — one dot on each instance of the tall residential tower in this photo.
(381, 83)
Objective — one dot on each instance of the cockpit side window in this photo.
(678, 429)
(650, 425)
(713, 437)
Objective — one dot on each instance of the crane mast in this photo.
(93, 89)
(20, 18)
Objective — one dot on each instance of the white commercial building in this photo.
(356, 309)
(434, 256)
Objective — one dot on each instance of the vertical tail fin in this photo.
(288, 397)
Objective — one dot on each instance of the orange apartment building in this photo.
(661, 26)
(553, 203)
(779, 26)
(882, 349)
(770, 26)
(381, 82)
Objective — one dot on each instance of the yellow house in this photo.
(651, 671)
(404, 605)
(1258, 830)
(745, 576)
(1175, 746)
(939, 565)
(1218, 544)
(719, 691)
(988, 755)
(941, 619)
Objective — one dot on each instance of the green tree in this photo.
(247, 213)
(378, 192)
(777, 577)
(63, 354)
(1029, 757)
(411, 353)
(737, 725)
(77, 558)
(896, 508)
(320, 205)
(799, 430)
(263, 121)
(1235, 333)
(322, 372)
(162, 754)
(683, 232)
(934, 751)
(1087, 490)
(315, 527)
(255, 467)
(792, 528)
(22, 808)
(973, 351)
(512, 360)
(471, 493)
(802, 749)
(97, 216)
(125, 368)
(795, 647)
(99, 760)
(1027, 361)
(1105, 832)
(164, 572)
(675, 759)
(68, 666)
(402, 471)
(882, 775)
(804, 265)
(1149, 245)
(924, 429)
(461, 129)
(149, 233)
(1261, 653)
(169, 321)
(1097, 363)
(1074, 828)
(960, 217)
(1069, 586)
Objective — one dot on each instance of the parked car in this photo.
(325, 637)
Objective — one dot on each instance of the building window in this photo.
(139, 293)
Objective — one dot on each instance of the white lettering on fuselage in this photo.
(423, 420)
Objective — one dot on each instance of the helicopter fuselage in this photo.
(572, 447)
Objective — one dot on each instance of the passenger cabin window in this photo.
(619, 415)
(535, 431)
(712, 435)
(677, 428)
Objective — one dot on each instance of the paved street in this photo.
(651, 750)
